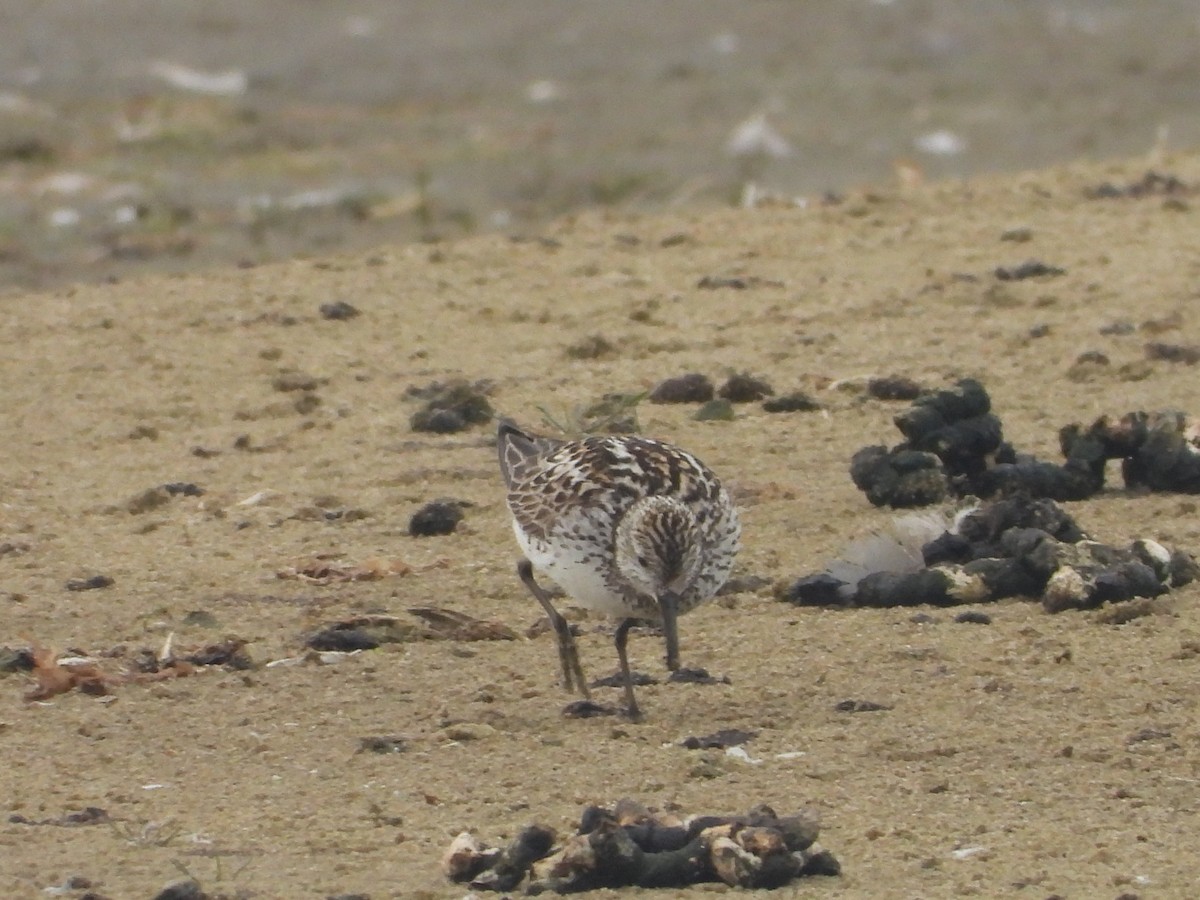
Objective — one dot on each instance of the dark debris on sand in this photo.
(1013, 547)
(439, 517)
(954, 446)
(451, 406)
(628, 845)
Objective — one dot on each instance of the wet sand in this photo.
(157, 136)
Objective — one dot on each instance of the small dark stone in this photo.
(89, 815)
(1018, 235)
(1151, 184)
(15, 660)
(821, 589)
(716, 282)
(719, 740)
(1033, 268)
(89, 584)
(927, 586)
(820, 863)
(696, 676)
(973, 617)
(893, 387)
(438, 421)
(1096, 357)
(1173, 353)
(436, 518)
(855, 706)
(639, 679)
(586, 709)
(183, 488)
(32, 149)
(595, 346)
(231, 653)
(797, 401)
(286, 382)
(947, 547)
(383, 744)
(531, 844)
(200, 618)
(451, 406)
(187, 889)
(742, 387)
(691, 388)
(342, 639)
(338, 311)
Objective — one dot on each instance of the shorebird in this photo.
(627, 526)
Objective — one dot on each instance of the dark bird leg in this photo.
(568, 653)
(621, 639)
(668, 604)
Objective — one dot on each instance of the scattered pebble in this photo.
(436, 518)
(15, 660)
(741, 387)
(688, 675)
(451, 406)
(96, 582)
(595, 346)
(148, 500)
(1018, 235)
(797, 401)
(383, 744)
(893, 387)
(973, 617)
(857, 706)
(187, 889)
(1149, 185)
(587, 709)
(287, 382)
(338, 311)
(1174, 353)
(363, 633)
(719, 740)
(691, 388)
(1033, 268)
(184, 489)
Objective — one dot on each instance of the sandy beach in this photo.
(1039, 755)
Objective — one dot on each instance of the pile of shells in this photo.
(954, 446)
(629, 846)
(1011, 547)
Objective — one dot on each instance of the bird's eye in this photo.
(644, 562)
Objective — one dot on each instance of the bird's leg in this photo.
(621, 639)
(668, 604)
(568, 653)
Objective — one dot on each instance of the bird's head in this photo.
(658, 547)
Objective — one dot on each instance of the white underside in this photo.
(580, 577)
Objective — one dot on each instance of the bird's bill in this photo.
(668, 604)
